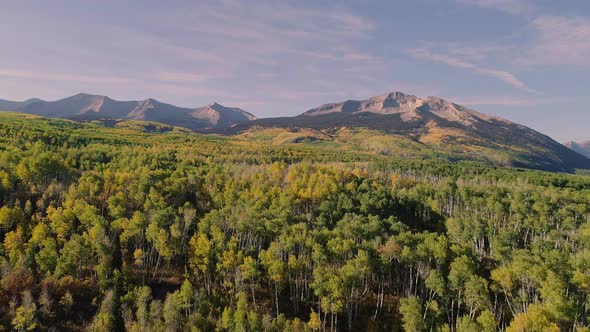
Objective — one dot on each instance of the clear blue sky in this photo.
(525, 60)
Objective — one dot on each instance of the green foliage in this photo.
(25, 315)
(411, 311)
(125, 228)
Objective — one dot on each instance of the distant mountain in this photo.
(408, 108)
(223, 116)
(582, 148)
(8, 105)
(82, 107)
(444, 126)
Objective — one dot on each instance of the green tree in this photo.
(172, 311)
(241, 313)
(25, 318)
(411, 311)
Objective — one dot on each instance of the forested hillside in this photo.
(137, 226)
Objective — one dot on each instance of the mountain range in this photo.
(84, 107)
(582, 148)
(390, 124)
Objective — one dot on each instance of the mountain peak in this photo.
(151, 101)
(83, 95)
(437, 99)
(407, 106)
(223, 116)
(400, 95)
(218, 107)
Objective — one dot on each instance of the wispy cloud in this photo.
(514, 7)
(507, 100)
(504, 76)
(53, 76)
(550, 39)
(188, 77)
(457, 62)
(558, 40)
(268, 26)
(266, 44)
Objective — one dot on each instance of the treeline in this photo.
(175, 232)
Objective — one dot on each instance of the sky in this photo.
(524, 60)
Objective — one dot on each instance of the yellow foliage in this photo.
(534, 320)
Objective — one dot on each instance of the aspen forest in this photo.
(136, 226)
